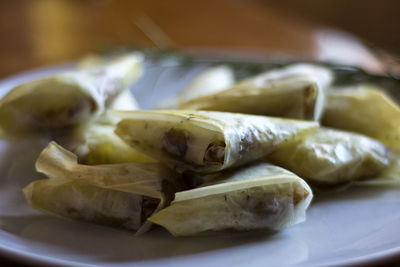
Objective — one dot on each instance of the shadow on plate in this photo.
(351, 193)
(62, 237)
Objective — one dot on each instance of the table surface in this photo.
(45, 32)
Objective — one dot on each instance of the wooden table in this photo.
(44, 32)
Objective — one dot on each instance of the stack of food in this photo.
(229, 156)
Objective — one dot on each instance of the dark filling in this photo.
(215, 153)
(175, 142)
(194, 180)
(65, 116)
(269, 206)
(149, 205)
(299, 195)
(97, 217)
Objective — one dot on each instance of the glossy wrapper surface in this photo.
(114, 193)
(297, 91)
(332, 157)
(364, 109)
(205, 141)
(257, 197)
(66, 99)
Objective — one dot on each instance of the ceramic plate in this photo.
(355, 226)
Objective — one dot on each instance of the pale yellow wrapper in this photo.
(331, 157)
(205, 141)
(66, 99)
(297, 91)
(113, 193)
(257, 197)
(364, 109)
(210, 81)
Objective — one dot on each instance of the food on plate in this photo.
(121, 195)
(124, 101)
(210, 81)
(109, 169)
(364, 109)
(206, 141)
(257, 197)
(96, 143)
(297, 91)
(390, 176)
(66, 99)
(331, 156)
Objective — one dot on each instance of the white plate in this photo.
(356, 226)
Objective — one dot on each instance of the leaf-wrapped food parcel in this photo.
(261, 196)
(332, 157)
(390, 176)
(210, 81)
(66, 99)
(297, 91)
(118, 194)
(206, 141)
(96, 143)
(364, 109)
(125, 101)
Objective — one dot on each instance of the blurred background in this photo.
(37, 33)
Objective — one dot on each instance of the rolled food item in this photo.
(365, 109)
(66, 99)
(96, 143)
(257, 197)
(125, 101)
(211, 80)
(205, 141)
(122, 195)
(297, 91)
(331, 156)
(390, 176)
